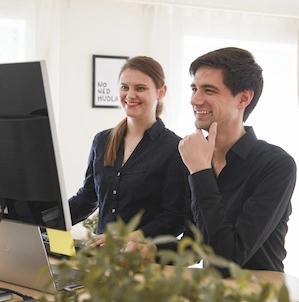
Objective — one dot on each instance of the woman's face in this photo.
(138, 94)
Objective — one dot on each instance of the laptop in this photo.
(24, 260)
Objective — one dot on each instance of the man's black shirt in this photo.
(243, 213)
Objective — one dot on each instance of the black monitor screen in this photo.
(31, 179)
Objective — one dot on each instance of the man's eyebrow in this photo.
(206, 86)
(210, 86)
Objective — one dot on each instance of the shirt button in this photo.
(113, 210)
(118, 173)
(114, 192)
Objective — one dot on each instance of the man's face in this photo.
(212, 100)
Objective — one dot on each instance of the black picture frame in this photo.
(105, 72)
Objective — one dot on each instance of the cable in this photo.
(2, 208)
(10, 291)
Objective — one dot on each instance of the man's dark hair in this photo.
(240, 71)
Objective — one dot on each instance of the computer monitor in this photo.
(32, 189)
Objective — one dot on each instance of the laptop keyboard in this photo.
(73, 284)
(70, 286)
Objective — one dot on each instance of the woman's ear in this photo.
(162, 92)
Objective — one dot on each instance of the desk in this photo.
(25, 291)
(276, 278)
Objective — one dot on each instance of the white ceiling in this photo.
(286, 8)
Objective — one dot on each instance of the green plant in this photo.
(91, 223)
(110, 274)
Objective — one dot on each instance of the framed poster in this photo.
(105, 71)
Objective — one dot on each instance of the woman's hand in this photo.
(99, 240)
(147, 251)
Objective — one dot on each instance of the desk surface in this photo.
(276, 277)
(23, 290)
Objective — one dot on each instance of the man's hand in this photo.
(197, 151)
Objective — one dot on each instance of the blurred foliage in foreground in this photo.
(111, 275)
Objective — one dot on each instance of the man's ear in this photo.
(246, 97)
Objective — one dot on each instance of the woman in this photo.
(136, 165)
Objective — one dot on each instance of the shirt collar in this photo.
(156, 129)
(245, 144)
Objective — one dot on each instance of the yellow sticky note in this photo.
(61, 242)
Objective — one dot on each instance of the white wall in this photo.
(87, 28)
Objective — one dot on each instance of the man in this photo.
(241, 187)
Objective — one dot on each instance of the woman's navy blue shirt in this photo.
(153, 179)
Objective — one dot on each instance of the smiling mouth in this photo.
(132, 103)
(202, 112)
